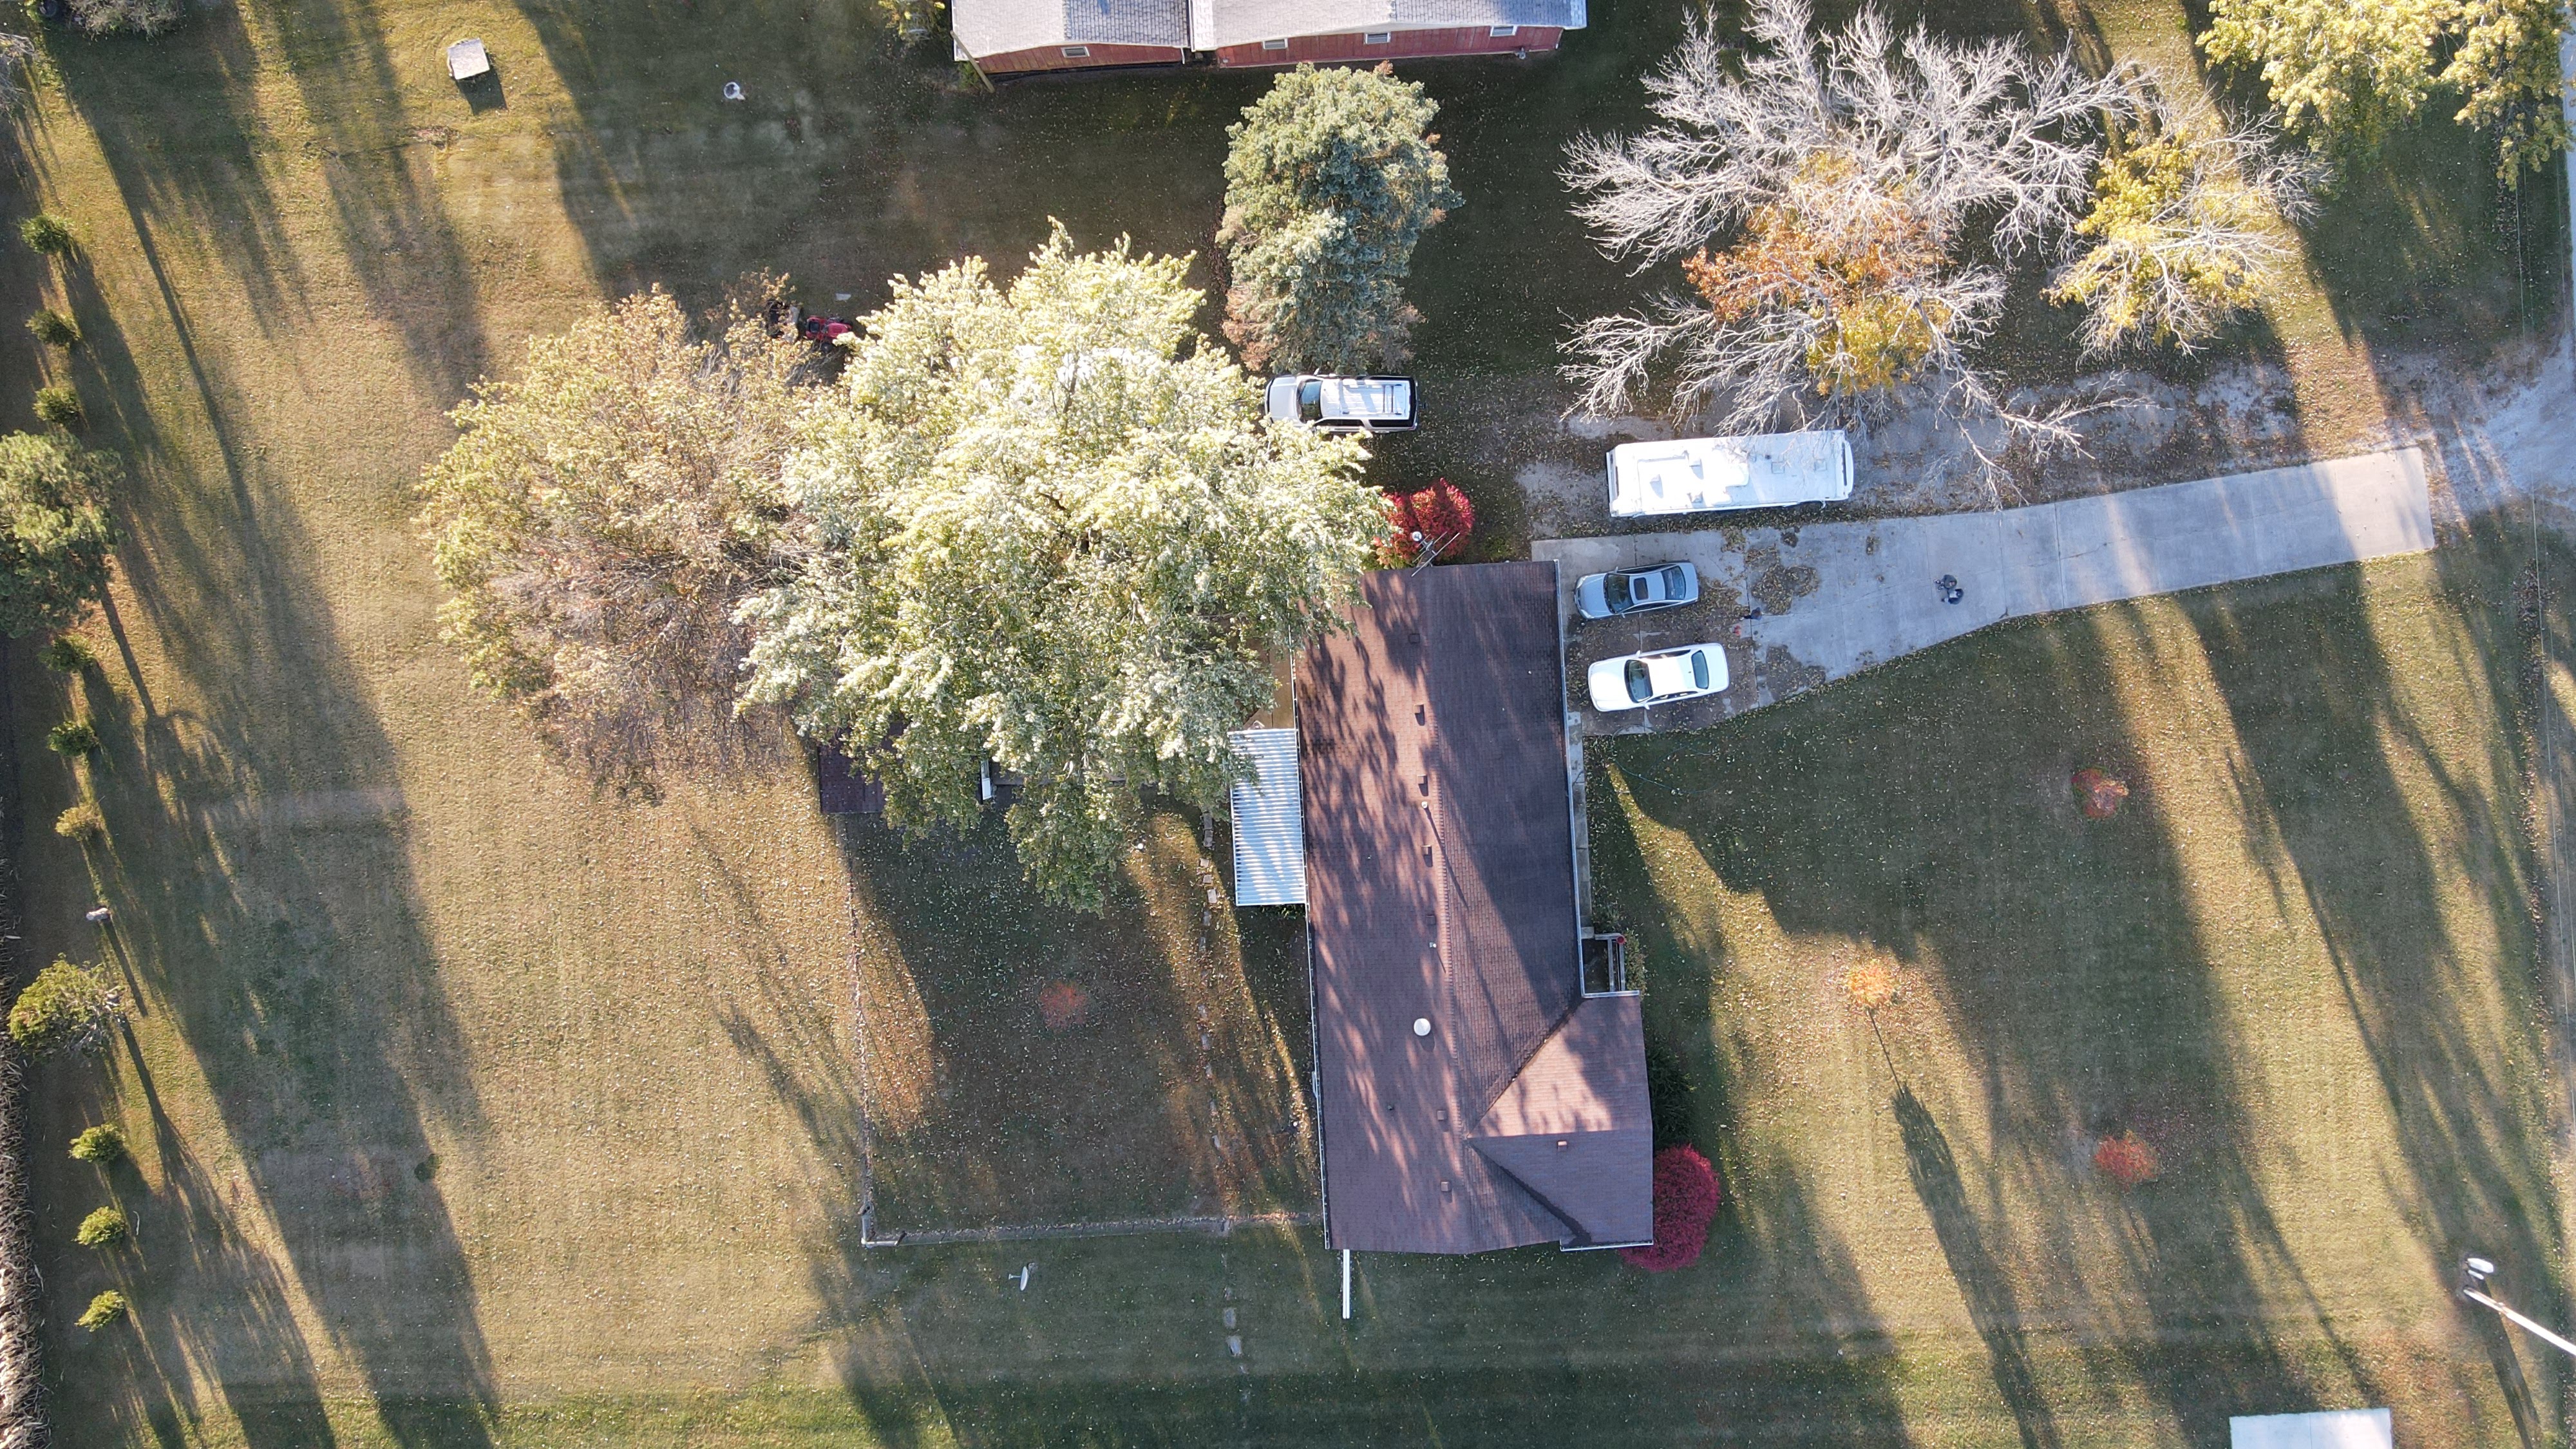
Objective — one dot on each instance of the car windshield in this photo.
(1639, 686)
(1310, 400)
(1699, 667)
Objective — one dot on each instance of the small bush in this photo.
(67, 655)
(54, 329)
(1873, 984)
(104, 1228)
(75, 737)
(1687, 1193)
(103, 1145)
(103, 1310)
(1438, 517)
(82, 822)
(66, 1008)
(2126, 1160)
(59, 405)
(47, 233)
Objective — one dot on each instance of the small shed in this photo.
(1269, 822)
(468, 60)
(2331, 1429)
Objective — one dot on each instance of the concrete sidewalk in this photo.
(1802, 606)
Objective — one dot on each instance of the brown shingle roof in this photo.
(1440, 887)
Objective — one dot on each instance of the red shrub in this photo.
(2126, 1160)
(1440, 513)
(1687, 1193)
(2099, 795)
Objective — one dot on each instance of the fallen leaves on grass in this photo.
(1063, 1005)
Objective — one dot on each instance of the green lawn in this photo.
(473, 1108)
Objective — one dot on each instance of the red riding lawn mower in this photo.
(814, 327)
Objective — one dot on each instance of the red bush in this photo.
(1687, 1193)
(1440, 513)
(2126, 1160)
(2098, 795)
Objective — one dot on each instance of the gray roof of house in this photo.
(998, 27)
(1440, 888)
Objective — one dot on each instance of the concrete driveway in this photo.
(1802, 606)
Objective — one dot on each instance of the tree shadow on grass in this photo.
(1912, 810)
(1031, 1064)
(261, 877)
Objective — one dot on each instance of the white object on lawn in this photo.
(2333, 1429)
(1704, 475)
(467, 59)
(733, 90)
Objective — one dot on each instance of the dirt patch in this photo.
(1778, 588)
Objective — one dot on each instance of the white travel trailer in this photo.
(1705, 475)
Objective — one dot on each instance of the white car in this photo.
(1666, 676)
(1344, 404)
(1635, 591)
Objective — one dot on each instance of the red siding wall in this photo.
(1052, 57)
(1404, 45)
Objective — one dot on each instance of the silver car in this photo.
(1635, 591)
(1663, 676)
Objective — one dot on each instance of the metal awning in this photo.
(1269, 822)
(2333, 1429)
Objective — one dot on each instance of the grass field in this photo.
(474, 1109)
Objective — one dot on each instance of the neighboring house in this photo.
(1012, 37)
(1473, 1094)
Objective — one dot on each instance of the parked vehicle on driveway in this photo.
(1710, 475)
(1344, 404)
(1636, 591)
(1662, 676)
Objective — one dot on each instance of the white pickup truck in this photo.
(1706, 475)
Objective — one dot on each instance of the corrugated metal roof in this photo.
(998, 27)
(1221, 23)
(1269, 822)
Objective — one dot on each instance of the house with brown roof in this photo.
(1472, 1093)
(1015, 37)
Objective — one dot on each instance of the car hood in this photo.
(1590, 599)
(1609, 690)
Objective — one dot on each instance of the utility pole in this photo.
(2474, 1273)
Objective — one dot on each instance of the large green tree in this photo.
(1048, 524)
(603, 514)
(55, 532)
(1331, 179)
(2347, 72)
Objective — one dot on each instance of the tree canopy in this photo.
(2345, 73)
(1331, 178)
(602, 515)
(1826, 193)
(55, 532)
(1049, 524)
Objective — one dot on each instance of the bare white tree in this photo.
(1868, 190)
(2189, 225)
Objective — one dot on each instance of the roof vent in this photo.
(1422, 1026)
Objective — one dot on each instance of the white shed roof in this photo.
(2334, 1429)
(1269, 822)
